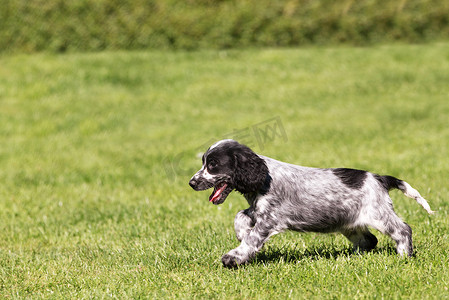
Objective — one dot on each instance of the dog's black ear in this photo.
(250, 171)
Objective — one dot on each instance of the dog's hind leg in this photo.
(403, 238)
(361, 238)
(243, 223)
(399, 231)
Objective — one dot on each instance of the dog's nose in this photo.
(193, 183)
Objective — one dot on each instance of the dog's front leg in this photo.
(249, 246)
(243, 223)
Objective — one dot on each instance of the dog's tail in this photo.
(390, 182)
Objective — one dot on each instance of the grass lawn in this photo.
(96, 151)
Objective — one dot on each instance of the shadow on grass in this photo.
(314, 253)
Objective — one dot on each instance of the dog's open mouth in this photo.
(221, 191)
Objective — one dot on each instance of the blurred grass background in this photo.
(94, 25)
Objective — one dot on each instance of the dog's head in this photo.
(228, 165)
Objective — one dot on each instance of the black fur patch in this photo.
(388, 182)
(351, 177)
(266, 187)
(251, 172)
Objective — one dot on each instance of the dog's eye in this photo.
(212, 164)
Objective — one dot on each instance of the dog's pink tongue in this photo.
(217, 193)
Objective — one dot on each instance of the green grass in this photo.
(96, 151)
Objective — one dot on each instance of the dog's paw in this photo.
(230, 261)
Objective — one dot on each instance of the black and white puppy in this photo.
(283, 196)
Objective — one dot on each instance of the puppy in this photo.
(283, 196)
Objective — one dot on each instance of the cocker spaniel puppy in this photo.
(283, 196)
